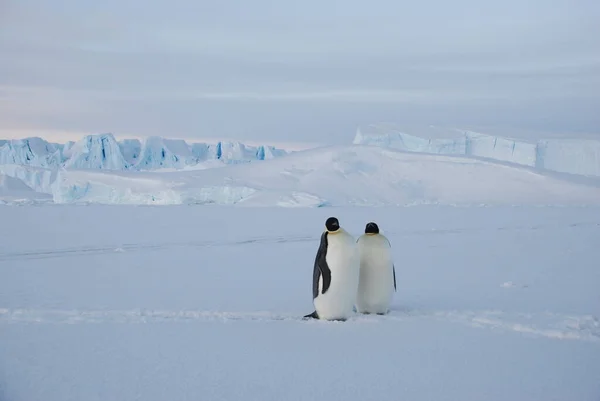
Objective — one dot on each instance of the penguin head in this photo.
(371, 228)
(332, 224)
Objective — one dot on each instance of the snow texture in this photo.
(13, 189)
(190, 303)
(330, 176)
(573, 156)
(104, 152)
(37, 178)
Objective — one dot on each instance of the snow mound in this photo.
(573, 156)
(333, 176)
(14, 189)
(37, 178)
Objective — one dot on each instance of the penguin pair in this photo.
(349, 273)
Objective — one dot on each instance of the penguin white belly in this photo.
(344, 263)
(376, 278)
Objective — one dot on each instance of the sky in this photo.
(296, 72)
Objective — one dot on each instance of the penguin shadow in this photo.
(357, 313)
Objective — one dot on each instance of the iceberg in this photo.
(33, 151)
(104, 152)
(573, 156)
(96, 152)
(354, 175)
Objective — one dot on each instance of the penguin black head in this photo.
(371, 228)
(332, 224)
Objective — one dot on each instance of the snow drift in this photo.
(14, 189)
(346, 175)
(573, 156)
(37, 178)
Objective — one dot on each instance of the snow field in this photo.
(142, 302)
(330, 176)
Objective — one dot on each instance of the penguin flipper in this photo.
(394, 271)
(313, 315)
(321, 269)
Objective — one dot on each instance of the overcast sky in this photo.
(296, 71)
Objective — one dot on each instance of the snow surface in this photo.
(573, 156)
(13, 189)
(330, 176)
(37, 178)
(104, 152)
(188, 303)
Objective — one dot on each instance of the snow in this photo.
(186, 302)
(37, 178)
(13, 189)
(330, 176)
(573, 156)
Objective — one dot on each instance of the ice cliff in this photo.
(104, 152)
(573, 156)
(34, 152)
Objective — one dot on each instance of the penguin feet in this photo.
(313, 315)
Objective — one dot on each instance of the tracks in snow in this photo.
(133, 247)
(548, 325)
(78, 251)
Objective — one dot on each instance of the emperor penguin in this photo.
(377, 278)
(335, 274)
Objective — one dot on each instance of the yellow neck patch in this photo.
(333, 232)
(371, 233)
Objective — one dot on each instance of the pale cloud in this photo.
(297, 71)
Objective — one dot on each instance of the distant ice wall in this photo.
(38, 179)
(574, 156)
(104, 152)
(501, 149)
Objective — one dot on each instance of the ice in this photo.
(104, 152)
(38, 179)
(96, 152)
(33, 151)
(573, 156)
(204, 302)
(13, 189)
(500, 149)
(330, 176)
(130, 149)
(445, 142)
(164, 153)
